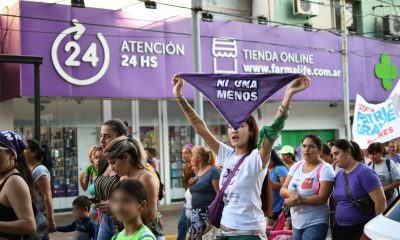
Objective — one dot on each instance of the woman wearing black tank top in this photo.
(110, 130)
(16, 211)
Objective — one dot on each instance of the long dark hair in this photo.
(42, 153)
(22, 167)
(316, 140)
(253, 129)
(276, 159)
(345, 145)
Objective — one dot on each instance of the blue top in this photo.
(396, 158)
(277, 171)
(203, 192)
(362, 181)
(84, 229)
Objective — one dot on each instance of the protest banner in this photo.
(377, 122)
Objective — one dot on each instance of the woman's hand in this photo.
(177, 81)
(298, 85)
(104, 206)
(293, 199)
(51, 225)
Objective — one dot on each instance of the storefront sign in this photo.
(102, 53)
(236, 96)
(377, 122)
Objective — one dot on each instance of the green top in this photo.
(143, 233)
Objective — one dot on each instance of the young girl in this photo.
(128, 202)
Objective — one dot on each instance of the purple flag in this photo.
(236, 96)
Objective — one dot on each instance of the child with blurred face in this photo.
(128, 201)
(83, 226)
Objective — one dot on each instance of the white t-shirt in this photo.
(304, 216)
(387, 177)
(242, 209)
(188, 204)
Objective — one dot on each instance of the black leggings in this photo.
(349, 232)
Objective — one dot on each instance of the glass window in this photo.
(70, 126)
(121, 109)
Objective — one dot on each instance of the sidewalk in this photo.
(171, 214)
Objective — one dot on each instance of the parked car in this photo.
(386, 226)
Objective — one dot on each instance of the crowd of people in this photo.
(336, 185)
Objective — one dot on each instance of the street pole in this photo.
(198, 96)
(346, 98)
(37, 101)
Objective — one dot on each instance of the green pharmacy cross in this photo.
(386, 71)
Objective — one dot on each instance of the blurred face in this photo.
(29, 155)
(79, 212)
(376, 157)
(240, 137)
(6, 161)
(96, 159)
(310, 150)
(195, 161)
(121, 165)
(391, 148)
(106, 135)
(125, 207)
(186, 155)
(287, 158)
(340, 157)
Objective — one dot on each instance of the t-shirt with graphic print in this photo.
(305, 184)
(242, 199)
(143, 233)
(387, 177)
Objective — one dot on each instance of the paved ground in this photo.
(170, 214)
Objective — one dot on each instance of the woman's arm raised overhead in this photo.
(197, 122)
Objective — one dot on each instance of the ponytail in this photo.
(42, 153)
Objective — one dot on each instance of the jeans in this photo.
(106, 230)
(182, 225)
(314, 232)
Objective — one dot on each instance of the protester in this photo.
(387, 171)
(288, 156)
(83, 226)
(242, 216)
(90, 174)
(16, 189)
(129, 202)
(362, 183)
(326, 154)
(151, 158)
(203, 191)
(188, 174)
(307, 189)
(39, 161)
(392, 152)
(278, 173)
(110, 130)
(127, 158)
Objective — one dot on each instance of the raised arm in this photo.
(191, 115)
(269, 134)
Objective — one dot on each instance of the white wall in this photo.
(6, 115)
(307, 115)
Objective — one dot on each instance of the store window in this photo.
(70, 126)
(149, 129)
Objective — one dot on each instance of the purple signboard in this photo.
(102, 53)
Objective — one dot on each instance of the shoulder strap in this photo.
(298, 166)
(5, 180)
(346, 183)
(388, 166)
(235, 169)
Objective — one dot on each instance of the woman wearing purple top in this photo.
(362, 181)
